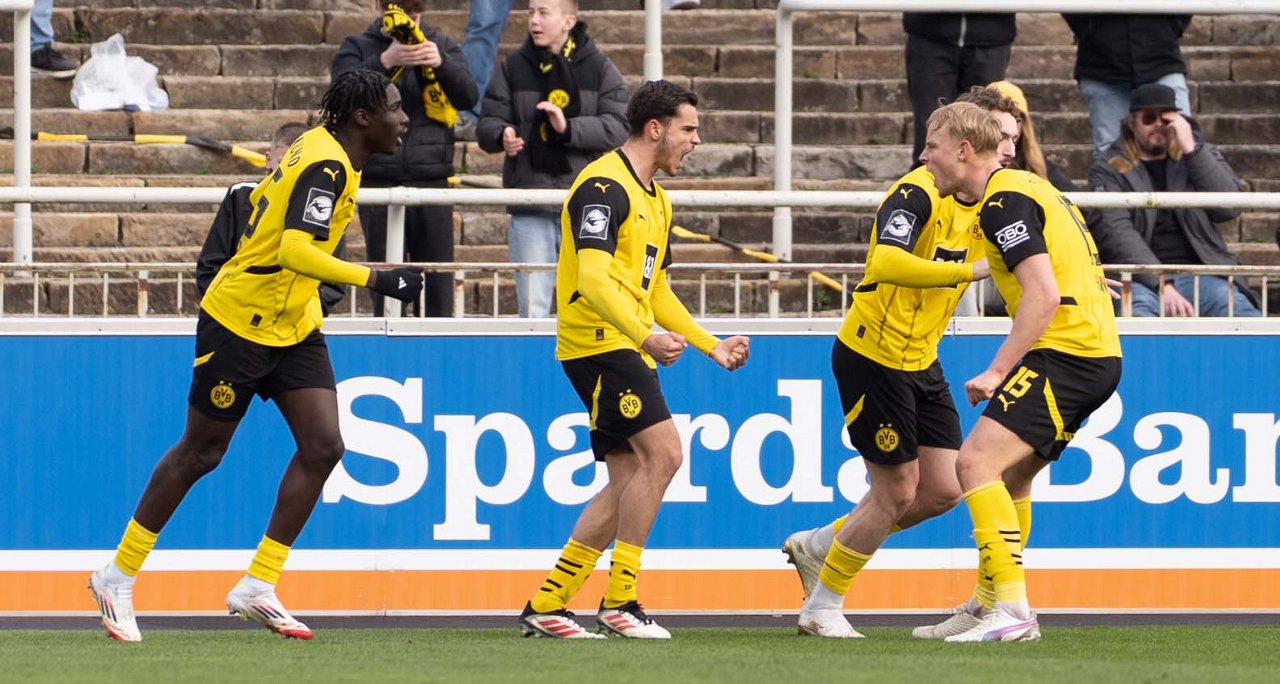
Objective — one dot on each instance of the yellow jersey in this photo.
(899, 325)
(1023, 215)
(313, 190)
(610, 210)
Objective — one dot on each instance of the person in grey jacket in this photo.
(1160, 150)
(553, 106)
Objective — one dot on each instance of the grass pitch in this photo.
(1213, 654)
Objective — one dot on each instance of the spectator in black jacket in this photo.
(949, 53)
(1116, 53)
(433, 79)
(554, 105)
(232, 219)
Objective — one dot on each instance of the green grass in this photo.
(1214, 655)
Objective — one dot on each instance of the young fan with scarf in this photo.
(429, 70)
(552, 107)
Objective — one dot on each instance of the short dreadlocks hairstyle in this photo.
(352, 90)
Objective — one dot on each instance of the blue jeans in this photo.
(41, 24)
(535, 239)
(1109, 103)
(1213, 297)
(480, 44)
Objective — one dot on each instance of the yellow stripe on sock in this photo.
(135, 546)
(571, 570)
(841, 566)
(268, 562)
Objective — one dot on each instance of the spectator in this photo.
(554, 105)
(949, 53)
(1116, 53)
(485, 22)
(1160, 150)
(1027, 155)
(431, 73)
(43, 57)
(233, 217)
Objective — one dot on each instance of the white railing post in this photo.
(395, 252)
(781, 145)
(23, 253)
(652, 40)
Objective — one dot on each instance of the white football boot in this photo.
(826, 623)
(808, 566)
(558, 624)
(964, 617)
(629, 620)
(115, 603)
(1000, 624)
(264, 608)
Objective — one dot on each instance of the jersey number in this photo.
(1074, 213)
(258, 211)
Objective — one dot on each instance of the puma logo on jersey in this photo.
(906, 192)
(604, 187)
(333, 173)
(1004, 401)
(996, 203)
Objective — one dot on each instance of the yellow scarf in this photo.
(399, 26)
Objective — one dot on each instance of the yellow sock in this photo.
(135, 546)
(1023, 506)
(841, 566)
(624, 566)
(999, 540)
(268, 562)
(985, 591)
(575, 564)
(839, 522)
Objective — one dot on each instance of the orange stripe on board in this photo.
(743, 590)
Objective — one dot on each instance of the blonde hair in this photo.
(1029, 156)
(968, 121)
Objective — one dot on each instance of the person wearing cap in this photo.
(1161, 150)
(1116, 53)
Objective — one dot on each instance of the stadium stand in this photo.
(237, 69)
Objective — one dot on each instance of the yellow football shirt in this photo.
(313, 190)
(1022, 215)
(898, 326)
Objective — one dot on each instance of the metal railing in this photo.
(143, 290)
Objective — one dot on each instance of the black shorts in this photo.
(229, 369)
(890, 413)
(1046, 397)
(622, 396)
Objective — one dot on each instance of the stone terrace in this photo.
(237, 69)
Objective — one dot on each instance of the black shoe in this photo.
(50, 61)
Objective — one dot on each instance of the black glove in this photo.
(402, 283)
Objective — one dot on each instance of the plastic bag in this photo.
(110, 79)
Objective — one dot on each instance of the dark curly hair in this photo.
(352, 90)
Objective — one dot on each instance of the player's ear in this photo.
(361, 117)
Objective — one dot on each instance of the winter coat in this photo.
(1124, 236)
(962, 29)
(1128, 48)
(512, 98)
(426, 153)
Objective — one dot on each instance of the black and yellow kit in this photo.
(1075, 365)
(885, 358)
(309, 198)
(919, 263)
(611, 287)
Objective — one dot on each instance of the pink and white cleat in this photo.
(559, 624)
(264, 608)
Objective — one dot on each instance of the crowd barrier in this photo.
(468, 462)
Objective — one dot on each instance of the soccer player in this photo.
(1060, 362)
(258, 333)
(611, 287)
(897, 405)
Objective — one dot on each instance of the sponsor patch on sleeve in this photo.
(1012, 235)
(898, 228)
(319, 207)
(595, 222)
